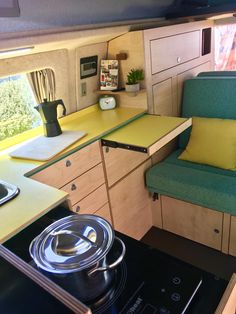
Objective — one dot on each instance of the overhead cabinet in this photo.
(171, 51)
(172, 55)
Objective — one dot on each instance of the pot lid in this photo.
(72, 243)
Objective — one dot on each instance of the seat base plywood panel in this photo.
(232, 241)
(130, 204)
(193, 222)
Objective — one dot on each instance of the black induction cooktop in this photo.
(147, 281)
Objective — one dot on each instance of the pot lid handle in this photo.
(67, 242)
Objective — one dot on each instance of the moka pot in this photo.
(48, 113)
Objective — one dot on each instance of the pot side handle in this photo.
(113, 265)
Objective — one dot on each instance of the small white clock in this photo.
(107, 102)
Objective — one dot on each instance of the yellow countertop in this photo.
(35, 199)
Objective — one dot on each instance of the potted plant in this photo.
(133, 78)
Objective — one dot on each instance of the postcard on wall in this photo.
(109, 74)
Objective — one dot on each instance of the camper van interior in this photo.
(117, 156)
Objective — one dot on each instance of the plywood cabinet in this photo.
(85, 184)
(81, 175)
(194, 222)
(173, 54)
(170, 51)
(68, 168)
(131, 203)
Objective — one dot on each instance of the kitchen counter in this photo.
(35, 199)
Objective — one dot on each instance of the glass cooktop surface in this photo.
(147, 281)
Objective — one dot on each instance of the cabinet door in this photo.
(232, 241)
(119, 162)
(162, 98)
(191, 221)
(130, 204)
(173, 50)
(70, 167)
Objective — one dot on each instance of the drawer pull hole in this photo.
(216, 230)
(73, 187)
(77, 209)
(68, 163)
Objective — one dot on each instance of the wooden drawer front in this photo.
(70, 167)
(131, 204)
(119, 162)
(194, 222)
(85, 184)
(170, 51)
(92, 202)
(232, 239)
(104, 212)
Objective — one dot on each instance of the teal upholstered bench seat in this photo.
(212, 97)
(195, 183)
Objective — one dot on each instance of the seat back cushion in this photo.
(217, 73)
(208, 97)
(212, 142)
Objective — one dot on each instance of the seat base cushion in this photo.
(195, 183)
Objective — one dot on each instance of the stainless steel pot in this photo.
(74, 252)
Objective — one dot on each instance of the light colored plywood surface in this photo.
(131, 44)
(162, 98)
(225, 233)
(228, 302)
(232, 239)
(92, 202)
(191, 221)
(119, 162)
(67, 169)
(170, 51)
(105, 213)
(85, 184)
(130, 203)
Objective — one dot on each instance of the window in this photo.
(225, 47)
(17, 101)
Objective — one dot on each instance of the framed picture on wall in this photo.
(9, 8)
(109, 75)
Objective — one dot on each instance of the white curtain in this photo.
(43, 84)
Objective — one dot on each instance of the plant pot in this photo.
(132, 89)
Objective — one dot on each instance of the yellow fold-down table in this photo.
(148, 133)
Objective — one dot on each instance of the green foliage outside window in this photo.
(17, 113)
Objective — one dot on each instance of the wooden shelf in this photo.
(110, 92)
